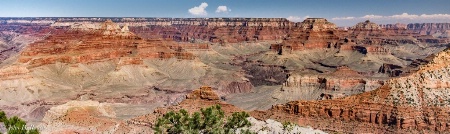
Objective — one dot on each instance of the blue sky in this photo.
(341, 12)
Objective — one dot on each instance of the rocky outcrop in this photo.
(317, 24)
(376, 49)
(414, 103)
(366, 25)
(239, 87)
(390, 69)
(110, 29)
(204, 92)
(313, 33)
(338, 84)
(394, 26)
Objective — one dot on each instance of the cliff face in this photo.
(367, 25)
(216, 30)
(414, 103)
(343, 80)
(312, 33)
(429, 28)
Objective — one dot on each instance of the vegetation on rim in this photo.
(208, 121)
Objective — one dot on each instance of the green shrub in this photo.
(288, 126)
(237, 120)
(208, 121)
(15, 125)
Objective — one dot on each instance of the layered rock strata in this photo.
(313, 33)
(106, 43)
(414, 103)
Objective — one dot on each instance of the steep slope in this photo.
(418, 102)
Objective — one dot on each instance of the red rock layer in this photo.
(107, 43)
(313, 33)
(332, 83)
(224, 34)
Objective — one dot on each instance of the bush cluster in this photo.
(208, 121)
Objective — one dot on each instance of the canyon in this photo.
(117, 75)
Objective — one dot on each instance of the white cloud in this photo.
(223, 9)
(404, 16)
(436, 16)
(296, 18)
(371, 16)
(421, 17)
(200, 10)
(343, 18)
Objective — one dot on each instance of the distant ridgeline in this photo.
(204, 21)
(234, 30)
(160, 21)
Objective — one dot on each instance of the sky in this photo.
(340, 12)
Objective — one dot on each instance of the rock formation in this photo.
(429, 28)
(80, 117)
(367, 25)
(312, 33)
(414, 103)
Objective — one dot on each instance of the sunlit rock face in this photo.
(312, 33)
(366, 25)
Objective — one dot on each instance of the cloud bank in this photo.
(343, 18)
(392, 19)
(402, 17)
(199, 10)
